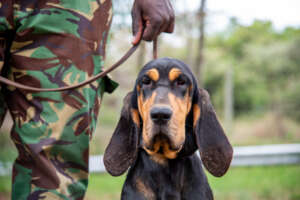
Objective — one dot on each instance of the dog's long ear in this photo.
(215, 149)
(122, 149)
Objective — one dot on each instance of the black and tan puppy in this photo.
(163, 122)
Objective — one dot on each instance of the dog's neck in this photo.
(180, 178)
(156, 170)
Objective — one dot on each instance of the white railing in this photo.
(279, 154)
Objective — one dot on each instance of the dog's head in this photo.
(168, 116)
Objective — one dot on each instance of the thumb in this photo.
(137, 27)
(138, 36)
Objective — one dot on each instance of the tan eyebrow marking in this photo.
(138, 88)
(135, 117)
(174, 73)
(197, 113)
(153, 74)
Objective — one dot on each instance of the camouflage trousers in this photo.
(52, 43)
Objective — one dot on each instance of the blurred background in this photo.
(247, 55)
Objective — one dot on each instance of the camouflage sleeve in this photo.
(6, 21)
(2, 49)
(3, 109)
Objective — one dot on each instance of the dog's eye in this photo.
(146, 80)
(180, 81)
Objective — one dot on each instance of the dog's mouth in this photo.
(161, 145)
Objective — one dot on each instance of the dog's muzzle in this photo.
(161, 139)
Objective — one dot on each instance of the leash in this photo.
(88, 81)
(100, 75)
(155, 50)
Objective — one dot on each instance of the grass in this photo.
(264, 183)
(245, 183)
(276, 183)
(261, 183)
(104, 186)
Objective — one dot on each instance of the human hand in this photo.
(150, 18)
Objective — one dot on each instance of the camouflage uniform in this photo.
(52, 43)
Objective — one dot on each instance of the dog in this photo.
(164, 121)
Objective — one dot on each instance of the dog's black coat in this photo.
(181, 178)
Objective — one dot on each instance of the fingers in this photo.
(150, 18)
(170, 28)
(152, 29)
(165, 26)
(156, 25)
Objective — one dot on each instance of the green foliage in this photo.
(266, 65)
(292, 101)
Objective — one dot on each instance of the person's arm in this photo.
(150, 18)
(3, 109)
(6, 21)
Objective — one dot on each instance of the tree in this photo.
(199, 58)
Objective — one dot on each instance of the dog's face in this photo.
(164, 98)
(168, 116)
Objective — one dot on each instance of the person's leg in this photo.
(57, 43)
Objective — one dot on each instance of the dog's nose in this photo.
(160, 115)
